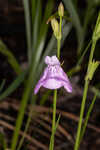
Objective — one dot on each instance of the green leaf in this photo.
(87, 118)
(28, 29)
(3, 141)
(14, 85)
(2, 85)
(33, 11)
(36, 25)
(57, 123)
(10, 57)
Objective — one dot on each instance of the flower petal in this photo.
(52, 83)
(47, 60)
(68, 87)
(55, 60)
(52, 60)
(40, 82)
(66, 82)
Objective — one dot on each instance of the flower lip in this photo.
(52, 60)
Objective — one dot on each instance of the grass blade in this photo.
(87, 118)
(3, 141)
(33, 4)
(36, 26)
(28, 29)
(10, 57)
(2, 85)
(57, 122)
(14, 85)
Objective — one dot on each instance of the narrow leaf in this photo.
(28, 28)
(14, 85)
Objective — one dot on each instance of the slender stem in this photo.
(91, 54)
(54, 118)
(81, 115)
(87, 117)
(77, 143)
(59, 40)
(84, 53)
(54, 110)
(58, 51)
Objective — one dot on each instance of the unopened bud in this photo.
(92, 68)
(61, 9)
(55, 27)
(96, 34)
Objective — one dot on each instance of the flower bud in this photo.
(61, 9)
(92, 68)
(96, 33)
(55, 27)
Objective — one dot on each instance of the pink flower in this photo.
(53, 77)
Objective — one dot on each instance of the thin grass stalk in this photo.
(87, 117)
(3, 141)
(36, 25)
(15, 84)
(33, 4)
(28, 29)
(81, 115)
(78, 65)
(76, 146)
(10, 57)
(27, 124)
(2, 85)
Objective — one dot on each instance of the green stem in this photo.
(92, 52)
(59, 40)
(77, 143)
(87, 117)
(58, 52)
(81, 116)
(54, 118)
